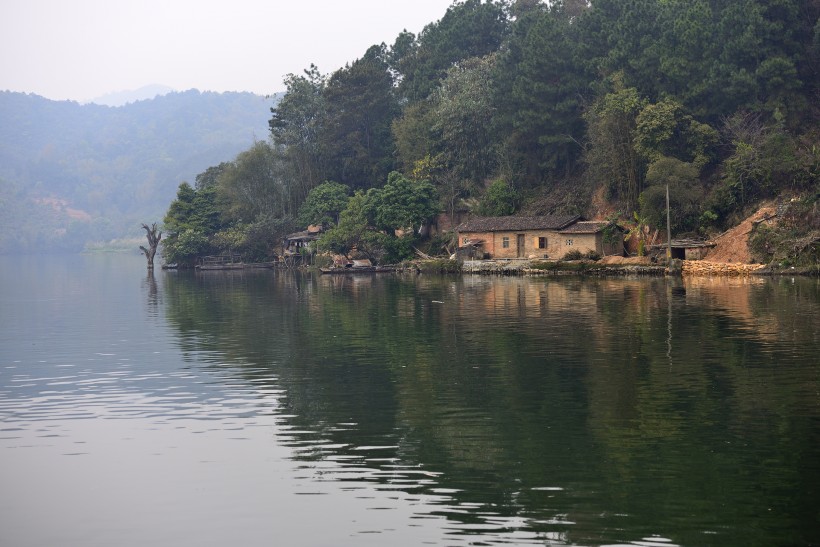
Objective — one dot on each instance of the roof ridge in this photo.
(517, 223)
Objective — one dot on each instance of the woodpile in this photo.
(705, 268)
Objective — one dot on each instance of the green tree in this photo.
(181, 209)
(354, 231)
(323, 204)
(470, 28)
(403, 203)
(765, 159)
(540, 83)
(186, 247)
(193, 209)
(665, 129)
(253, 185)
(713, 57)
(624, 36)
(414, 136)
(464, 118)
(210, 177)
(231, 240)
(611, 158)
(685, 42)
(361, 106)
(192, 218)
(296, 124)
(757, 50)
(500, 199)
(685, 195)
(263, 237)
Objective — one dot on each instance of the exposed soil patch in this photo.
(732, 246)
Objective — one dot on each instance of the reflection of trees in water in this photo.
(722, 427)
(500, 387)
(149, 284)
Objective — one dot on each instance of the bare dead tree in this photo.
(153, 242)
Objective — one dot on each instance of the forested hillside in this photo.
(572, 106)
(72, 173)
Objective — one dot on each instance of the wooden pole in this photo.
(668, 227)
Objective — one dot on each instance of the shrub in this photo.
(685, 195)
(323, 261)
(397, 249)
(439, 266)
(500, 199)
(795, 241)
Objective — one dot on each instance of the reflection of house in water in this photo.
(295, 246)
(529, 298)
(537, 237)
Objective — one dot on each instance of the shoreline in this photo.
(688, 268)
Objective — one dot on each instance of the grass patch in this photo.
(563, 266)
(322, 261)
(439, 265)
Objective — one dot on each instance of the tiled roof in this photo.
(516, 224)
(585, 227)
(302, 236)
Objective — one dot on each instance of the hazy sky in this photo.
(82, 49)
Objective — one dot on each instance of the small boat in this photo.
(222, 262)
(227, 266)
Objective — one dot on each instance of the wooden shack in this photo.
(293, 245)
(684, 249)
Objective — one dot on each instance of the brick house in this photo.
(536, 237)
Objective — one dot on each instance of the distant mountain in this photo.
(121, 98)
(71, 173)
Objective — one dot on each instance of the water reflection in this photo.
(417, 409)
(547, 410)
(150, 288)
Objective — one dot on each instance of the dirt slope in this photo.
(733, 245)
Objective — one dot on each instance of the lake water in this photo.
(270, 408)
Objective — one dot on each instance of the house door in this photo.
(519, 245)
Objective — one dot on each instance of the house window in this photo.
(505, 242)
(542, 243)
(569, 242)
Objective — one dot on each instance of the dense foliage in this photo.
(501, 103)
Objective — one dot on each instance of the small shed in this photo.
(684, 249)
(293, 244)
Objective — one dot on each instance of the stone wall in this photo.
(703, 267)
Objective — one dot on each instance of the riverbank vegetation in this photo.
(524, 107)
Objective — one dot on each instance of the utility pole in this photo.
(668, 228)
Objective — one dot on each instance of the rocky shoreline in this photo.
(574, 267)
(626, 268)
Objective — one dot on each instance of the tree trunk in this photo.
(153, 242)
